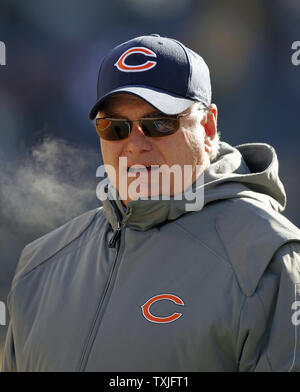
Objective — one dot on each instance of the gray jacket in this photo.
(158, 288)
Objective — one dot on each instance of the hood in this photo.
(247, 170)
(253, 165)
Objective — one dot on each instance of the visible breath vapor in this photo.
(54, 183)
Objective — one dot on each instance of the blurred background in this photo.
(49, 150)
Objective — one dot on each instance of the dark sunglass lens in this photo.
(112, 129)
(160, 127)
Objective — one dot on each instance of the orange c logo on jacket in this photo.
(154, 319)
(122, 66)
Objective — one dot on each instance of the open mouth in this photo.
(135, 169)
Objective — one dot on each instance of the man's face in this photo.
(185, 147)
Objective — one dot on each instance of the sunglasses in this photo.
(119, 128)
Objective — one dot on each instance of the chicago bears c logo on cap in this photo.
(122, 66)
(149, 316)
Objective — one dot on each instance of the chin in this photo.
(143, 191)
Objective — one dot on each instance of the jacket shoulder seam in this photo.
(204, 245)
(240, 273)
(42, 262)
(238, 357)
(224, 247)
(265, 316)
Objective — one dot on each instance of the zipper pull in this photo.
(114, 238)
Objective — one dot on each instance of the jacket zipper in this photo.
(116, 237)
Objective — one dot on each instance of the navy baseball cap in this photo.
(160, 70)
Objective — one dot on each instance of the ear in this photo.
(210, 127)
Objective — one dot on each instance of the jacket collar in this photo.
(143, 214)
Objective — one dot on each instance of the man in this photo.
(155, 281)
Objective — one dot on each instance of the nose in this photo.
(137, 141)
